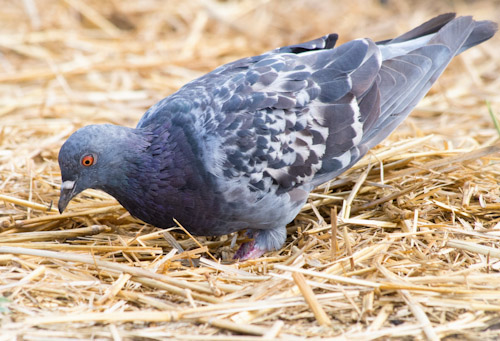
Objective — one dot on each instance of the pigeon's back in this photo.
(299, 115)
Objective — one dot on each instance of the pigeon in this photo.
(241, 147)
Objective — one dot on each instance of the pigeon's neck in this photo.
(166, 180)
(130, 157)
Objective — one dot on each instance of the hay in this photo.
(414, 253)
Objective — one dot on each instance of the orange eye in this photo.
(87, 160)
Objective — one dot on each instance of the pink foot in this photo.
(248, 251)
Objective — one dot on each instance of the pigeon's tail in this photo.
(412, 62)
(483, 30)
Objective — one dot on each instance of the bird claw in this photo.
(248, 250)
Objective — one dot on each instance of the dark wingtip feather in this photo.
(431, 26)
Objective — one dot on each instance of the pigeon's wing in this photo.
(281, 119)
(303, 118)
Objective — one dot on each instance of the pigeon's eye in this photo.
(87, 160)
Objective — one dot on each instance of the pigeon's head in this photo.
(94, 157)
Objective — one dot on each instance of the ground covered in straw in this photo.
(414, 252)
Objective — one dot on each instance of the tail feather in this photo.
(483, 30)
(413, 61)
(429, 27)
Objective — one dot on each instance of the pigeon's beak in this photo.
(67, 193)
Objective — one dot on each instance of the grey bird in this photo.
(242, 146)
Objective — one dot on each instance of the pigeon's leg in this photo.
(264, 240)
